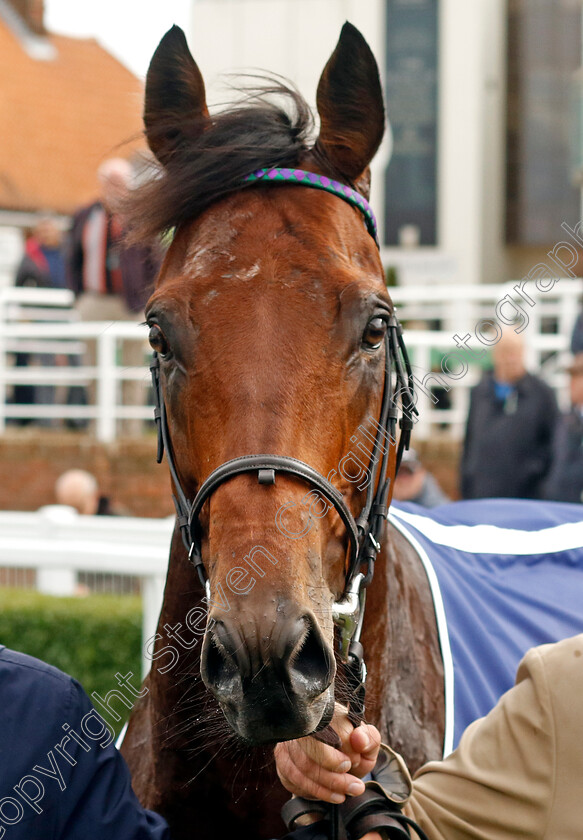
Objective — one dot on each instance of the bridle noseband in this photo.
(364, 532)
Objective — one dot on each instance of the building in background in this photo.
(65, 105)
(481, 166)
(476, 177)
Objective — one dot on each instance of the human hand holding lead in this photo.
(307, 767)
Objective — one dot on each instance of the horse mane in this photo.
(269, 127)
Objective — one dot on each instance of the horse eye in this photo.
(374, 333)
(158, 341)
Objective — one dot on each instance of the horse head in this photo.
(270, 321)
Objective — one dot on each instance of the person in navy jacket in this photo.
(61, 777)
(510, 429)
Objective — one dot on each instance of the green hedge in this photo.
(89, 638)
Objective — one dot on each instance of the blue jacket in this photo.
(61, 777)
(577, 336)
(508, 444)
(565, 482)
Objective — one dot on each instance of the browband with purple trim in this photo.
(321, 182)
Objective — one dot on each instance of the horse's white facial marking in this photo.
(222, 233)
(251, 272)
(218, 237)
(198, 262)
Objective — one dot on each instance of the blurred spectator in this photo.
(565, 483)
(414, 483)
(577, 336)
(42, 266)
(510, 429)
(43, 263)
(112, 281)
(79, 489)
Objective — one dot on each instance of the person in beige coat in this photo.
(516, 773)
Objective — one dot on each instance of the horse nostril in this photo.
(313, 665)
(232, 666)
(217, 666)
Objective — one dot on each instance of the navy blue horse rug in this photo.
(505, 575)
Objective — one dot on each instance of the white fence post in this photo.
(152, 598)
(106, 387)
(53, 579)
(56, 581)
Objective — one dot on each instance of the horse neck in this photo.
(401, 649)
(175, 669)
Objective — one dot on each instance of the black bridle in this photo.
(364, 532)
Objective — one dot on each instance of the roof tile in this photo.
(60, 119)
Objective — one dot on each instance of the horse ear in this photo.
(351, 108)
(175, 107)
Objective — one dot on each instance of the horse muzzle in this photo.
(272, 678)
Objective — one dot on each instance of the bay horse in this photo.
(270, 324)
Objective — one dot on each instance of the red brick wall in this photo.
(441, 457)
(126, 471)
(30, 463)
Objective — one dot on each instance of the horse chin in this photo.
(270, 724)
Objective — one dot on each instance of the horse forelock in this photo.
(270, 127)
